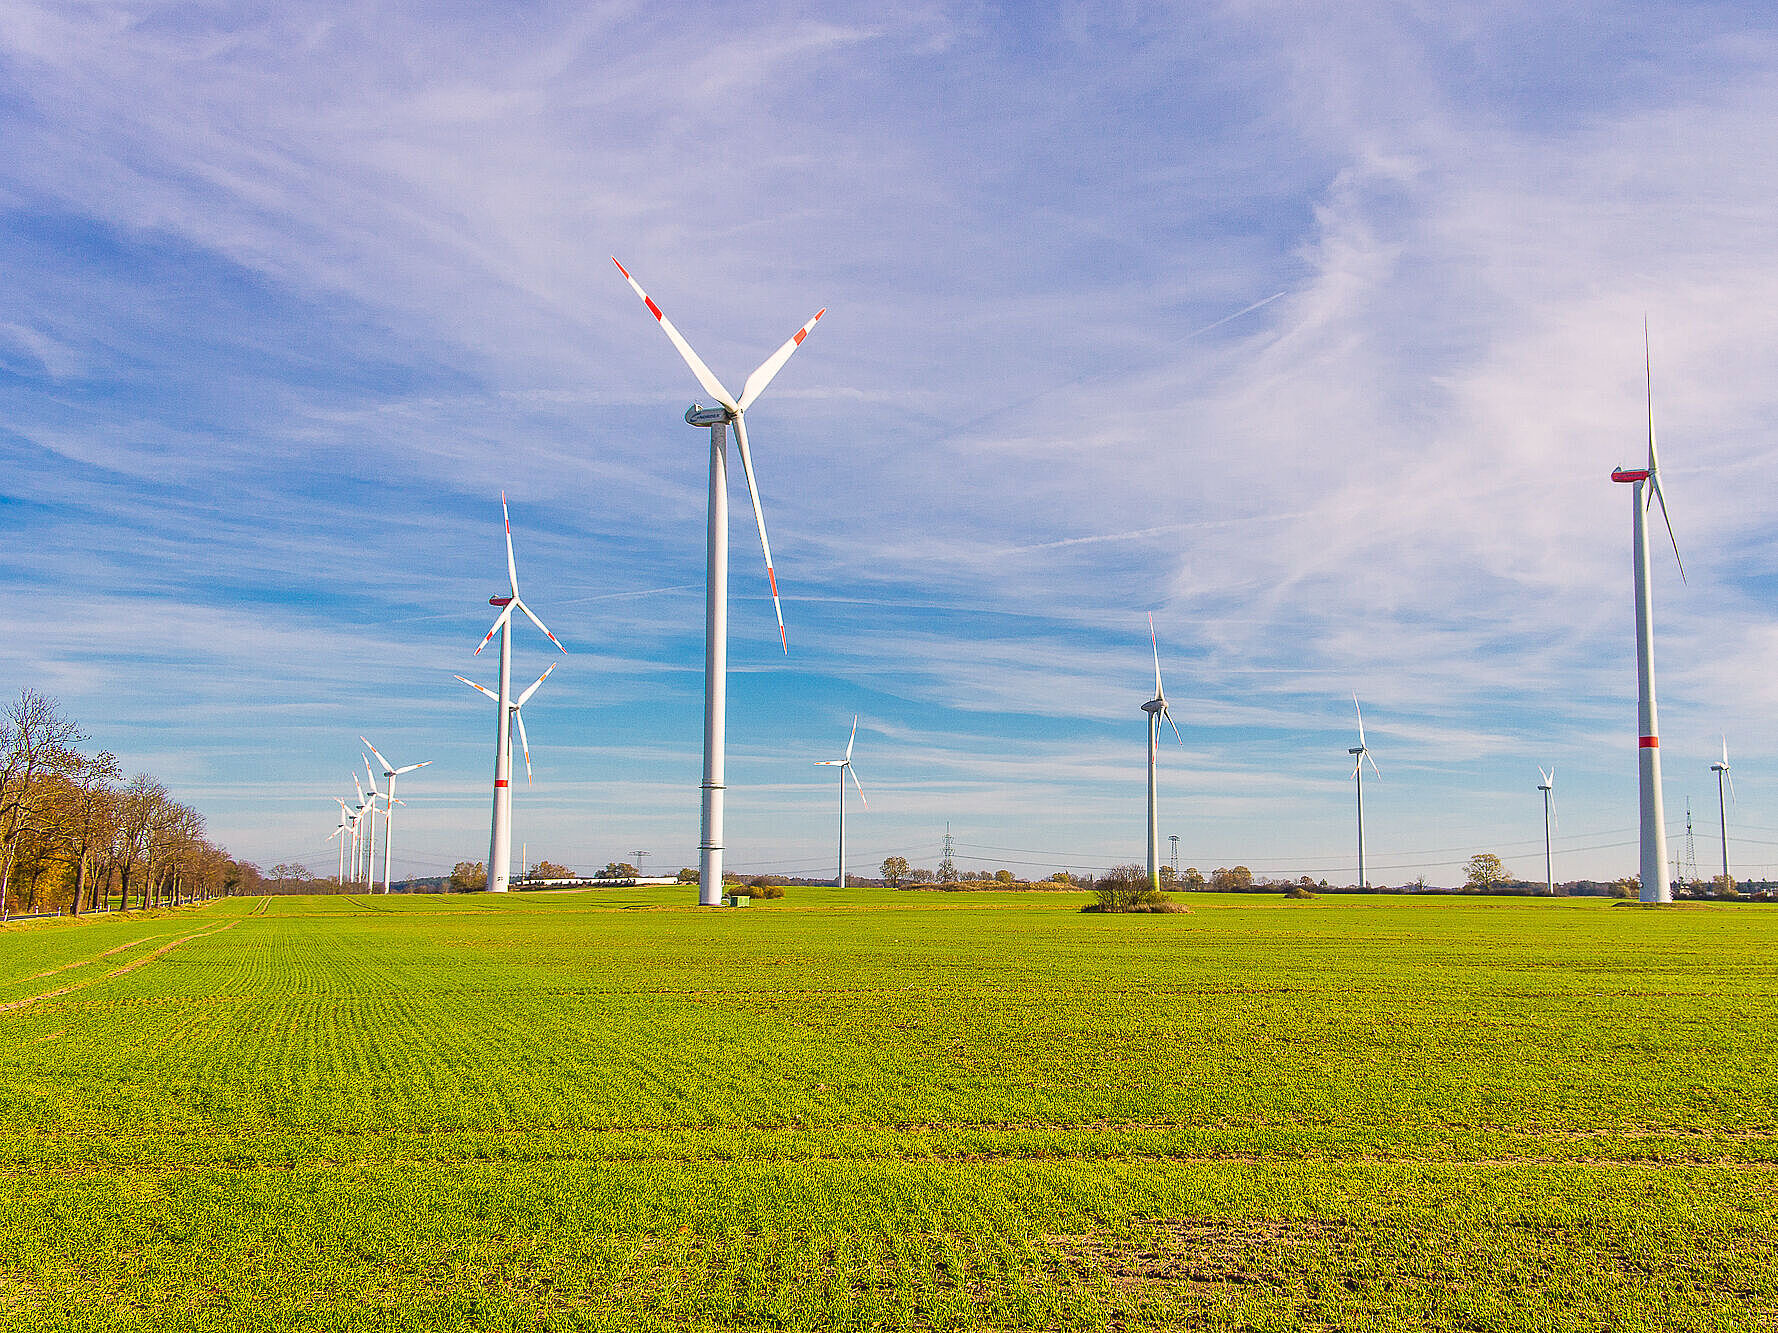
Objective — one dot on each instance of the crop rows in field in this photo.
(870, 1109)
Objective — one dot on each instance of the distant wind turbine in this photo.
(1156, 708)
(729, 411)
(1722, 774)
(366, 809)
(390, 773)
(1647, 482)
(1548, 788)
(845, 767)
(513, 706)
(500, 826)
(370, 860)
(1361, 755)
(340, 833)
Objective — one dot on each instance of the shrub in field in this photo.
(1125, 888)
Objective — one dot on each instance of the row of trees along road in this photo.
(75, 835)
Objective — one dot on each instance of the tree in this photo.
(1238, 880)
(550, 870)
(1003, 877)
(618, 870)
(895, 871)
(36, 742)
(1062, 877)
(468, 877)
(1484, 872)
(688, 876)
(1193, 879)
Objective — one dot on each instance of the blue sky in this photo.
(291, 294)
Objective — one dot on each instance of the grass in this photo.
(862, 1109)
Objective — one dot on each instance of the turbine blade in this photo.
(757, 381)
(525, 698)
(1555, 823)
(384, 762)
(524, 743)
(540, 625)
(1155, 644)
(512, 569)
(1659, 494)
(857, 784)
(828, 763)
(359, 790)
(760, 518)
(1357, 764)
(854, 736)
(1360, 712)
(1365, 758)
(712, 385)
(479, 689)
(1731, 777)
(1725, 751)
(1654, 462)
(411, 767)
(1168, 714)
(499, 620)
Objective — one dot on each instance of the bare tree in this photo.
(36, 742)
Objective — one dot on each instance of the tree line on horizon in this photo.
(77, 835)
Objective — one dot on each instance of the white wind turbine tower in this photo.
(1722, 774)
(1647, 481)
(389, 775)
(1548, 788)
(511, 712)
(500, 829)
(845, 767)
(1361, 755)
(1156, 708)
(730, 411)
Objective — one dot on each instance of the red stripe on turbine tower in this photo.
(1651, 742)
(499, 782)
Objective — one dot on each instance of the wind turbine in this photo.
(1722, 774)
(340, 833)
(365, 809)
(1156, 708)
(500, 830)
(389, 775)
(1548, 788)
(370, 860)
(730, 411)
(510, 710)
(845, 767)
(1647, 481)
(1361, 755)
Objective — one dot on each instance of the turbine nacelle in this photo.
(699, 415)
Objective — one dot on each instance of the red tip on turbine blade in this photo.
(800, 335)
(783, 642)
(653, 309)
(774, 580)
(620, 268)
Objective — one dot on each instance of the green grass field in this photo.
(870, 1109)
